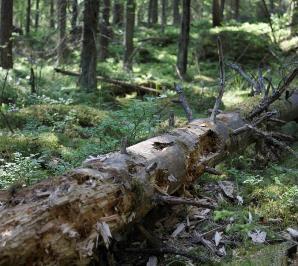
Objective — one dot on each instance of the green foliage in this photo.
(21, 169)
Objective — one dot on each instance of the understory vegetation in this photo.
(49, 131)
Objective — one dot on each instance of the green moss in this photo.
(48, 114)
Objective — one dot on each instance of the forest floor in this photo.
(59, 126)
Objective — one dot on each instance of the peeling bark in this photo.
(56, 221)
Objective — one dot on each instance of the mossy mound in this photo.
(246, 45)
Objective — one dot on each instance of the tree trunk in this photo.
(176, 12)
(89, 53)
(118, 10)
(237, 9)
(74, 15)
(129, 33)
(184, 38)
(28, 17)
(216, 18)
(61, 8)
(6, 60)
(58, 221)
(36, 15)
(164, 6)
(153, 12)
(294, 23)
(52, 12)
(104, 31)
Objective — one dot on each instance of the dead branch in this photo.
(116, 82)
(197, 238)
(183, 102)
(221, 83)
(266, 102)
(179, 200)
(250, 80)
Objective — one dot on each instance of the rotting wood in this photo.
(61, 227)
(121, 83)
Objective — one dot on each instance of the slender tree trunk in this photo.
(52, 16)
(237, 9)
(118, 10)
(89, 53)
(222, 9)
(28, 17)
(61, 8)
(184, 38)
(6, 34)
(153, 12)
(104, 31)
(272, 8)
(129, 33)
(74, 15)
(294, 23)
(176, 12)
(36, 15)
(154, 19)
(216, 13)
(164, 6)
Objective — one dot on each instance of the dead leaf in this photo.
(217, 238)
(293, 233)
(240, 200)
(105, 232)
(222, 250)
(180, 228)
(227, 188)
(152, 261)
(258, 236)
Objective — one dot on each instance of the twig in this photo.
(271, 139)
(179, 200)
(265, 103)
(242, 73)
(197, 238)
(222, 81)
(269, 20)
(183, 102)
(123, 146)
(172, 119)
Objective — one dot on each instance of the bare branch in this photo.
(183, 102)
(222, 81)
(265, 103)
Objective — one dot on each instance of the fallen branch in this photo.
(120, 83)
(179, 200)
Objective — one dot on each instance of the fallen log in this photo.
(60, 220)
(129, 86)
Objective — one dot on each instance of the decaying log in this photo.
(57, 221)
(123, 84)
